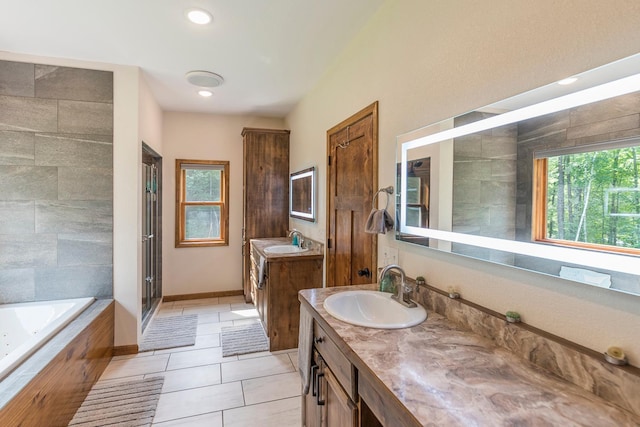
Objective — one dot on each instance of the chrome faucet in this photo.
(403, 290)
(295, 232)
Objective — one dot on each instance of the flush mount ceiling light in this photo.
(198, 16)
(567, 81)
(205, 93)
(204, 78)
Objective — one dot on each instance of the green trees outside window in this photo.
(202, 207)
(203, 185)
(594, 197)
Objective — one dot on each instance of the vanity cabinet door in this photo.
(254, 273)
(340, 409)
(327, 404)
(259, 295)
(312, 410)
(335, 382)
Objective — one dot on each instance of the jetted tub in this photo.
(25, 327)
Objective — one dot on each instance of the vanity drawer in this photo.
(337, 361)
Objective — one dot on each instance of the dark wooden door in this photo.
(352, 177)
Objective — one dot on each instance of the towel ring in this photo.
(387, 190)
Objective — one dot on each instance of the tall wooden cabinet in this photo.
(266, 191)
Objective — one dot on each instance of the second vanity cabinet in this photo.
(276, 295)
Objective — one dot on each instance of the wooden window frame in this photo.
(539, 220)
(181, 205)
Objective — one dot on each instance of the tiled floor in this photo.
(202, 388)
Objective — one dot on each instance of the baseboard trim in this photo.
(169, 298)
(124, 350)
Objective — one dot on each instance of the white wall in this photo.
(150, 115)
(426, 61)
(204, 137)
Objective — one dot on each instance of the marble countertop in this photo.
(315, 248)
(443, 375)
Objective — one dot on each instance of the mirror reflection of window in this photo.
(418, 182)
(590, 197)
(413, 190)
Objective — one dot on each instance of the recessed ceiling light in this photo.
(567, 81)
(202, 78)
(205, 93)
(199, 16)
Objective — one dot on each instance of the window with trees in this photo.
(589, 197)
(202, 205)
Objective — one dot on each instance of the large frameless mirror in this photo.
(546, 181)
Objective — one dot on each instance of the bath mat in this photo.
(243, 339)
(170, 332)
(117, 403)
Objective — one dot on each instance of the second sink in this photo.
(373, 309)
(284, 249)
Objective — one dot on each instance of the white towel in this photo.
(379, 222)
(305, 346)
(260, 272)
(586, 276)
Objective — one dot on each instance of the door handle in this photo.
(364, 272)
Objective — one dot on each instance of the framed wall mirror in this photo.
(546, 181)
(302, 188)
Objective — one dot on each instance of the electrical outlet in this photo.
(389, 255)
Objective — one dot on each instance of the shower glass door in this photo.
(151, 283)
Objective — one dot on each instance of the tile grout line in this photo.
(289, 367)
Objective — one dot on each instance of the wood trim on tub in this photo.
(56, 393)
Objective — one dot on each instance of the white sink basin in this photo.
(284, 249)
(373, 309)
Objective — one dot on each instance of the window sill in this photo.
(201, 244)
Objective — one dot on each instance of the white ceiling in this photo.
(270, 52)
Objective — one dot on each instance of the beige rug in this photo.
(243, 339)
(117, 403)
(170, 332)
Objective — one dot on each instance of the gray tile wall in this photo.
(56, 182)
(484, 186)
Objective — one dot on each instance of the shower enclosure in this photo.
(151, 232)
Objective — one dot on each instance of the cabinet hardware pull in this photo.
(319, 401)
(318, 340)
(314, 382)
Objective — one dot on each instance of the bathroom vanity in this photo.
(276, 295)
(443, 373)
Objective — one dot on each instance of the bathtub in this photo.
(25, 327)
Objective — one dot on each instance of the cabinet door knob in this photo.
(364, 272)
(318, 340)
